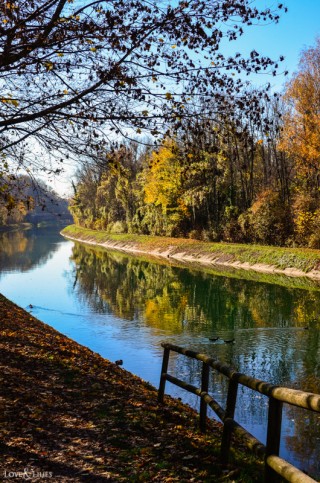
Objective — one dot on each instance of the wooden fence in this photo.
(275, 467)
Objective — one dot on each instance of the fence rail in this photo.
(275, 466)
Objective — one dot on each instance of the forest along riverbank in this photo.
(68, 414)
(295, 262)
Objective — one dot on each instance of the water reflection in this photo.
(123, 307)
(175, 299)
(23, 250)
(275, 331)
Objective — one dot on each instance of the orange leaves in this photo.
(301, 134)
(10, 101)
(48, 65)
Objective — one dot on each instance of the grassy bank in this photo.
(69, 415)
(291, 261)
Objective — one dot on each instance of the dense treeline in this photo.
(228, 179)
(25, 200)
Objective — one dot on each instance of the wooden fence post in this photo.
(164, 370)
(273, 437)
(203, 404)
(229, 415)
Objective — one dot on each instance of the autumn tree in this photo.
(104, 191)
(216, 180)
(162, 186)
(83, 206)
(301, 133)
(301, 140)
(116, 197)
(72, 72)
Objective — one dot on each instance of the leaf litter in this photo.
(68, 415)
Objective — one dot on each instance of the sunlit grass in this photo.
(279, 257)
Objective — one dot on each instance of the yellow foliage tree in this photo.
(163, 179)
(301, 133)
(163, 186)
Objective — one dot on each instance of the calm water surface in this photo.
(123, 308)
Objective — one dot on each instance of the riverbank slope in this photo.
(68, 415)
(295, 262)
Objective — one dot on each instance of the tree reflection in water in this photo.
(22, 250)
(268, 322)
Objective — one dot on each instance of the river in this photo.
(123, 307)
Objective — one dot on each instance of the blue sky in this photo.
(296, 30)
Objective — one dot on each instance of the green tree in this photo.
(83, 206)
(104, 194)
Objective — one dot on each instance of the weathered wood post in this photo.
(203, 404)
(229, 415)
(273, 437)
(163, 376)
